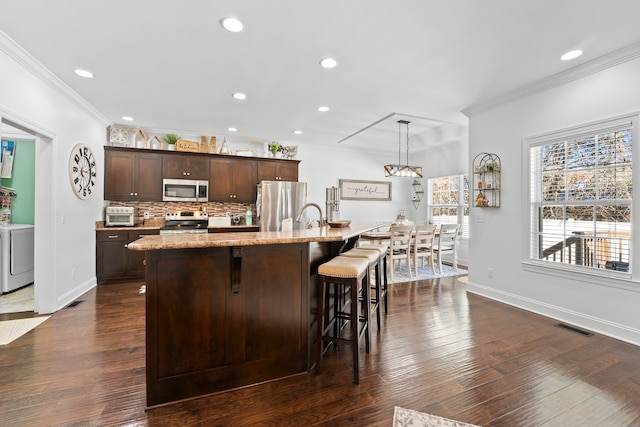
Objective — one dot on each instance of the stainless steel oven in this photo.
(185, 222)
(185, 190)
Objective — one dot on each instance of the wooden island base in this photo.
(221, 317)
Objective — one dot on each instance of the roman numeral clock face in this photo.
(82, 171)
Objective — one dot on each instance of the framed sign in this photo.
(353, 189)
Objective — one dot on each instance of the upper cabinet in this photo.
(137, 174)
(233, 179)
(278, 170)
(185, 166)
(132, 175)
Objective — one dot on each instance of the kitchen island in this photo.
(228, 310)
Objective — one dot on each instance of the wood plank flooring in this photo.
(440, 351)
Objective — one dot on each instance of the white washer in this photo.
(16, 256)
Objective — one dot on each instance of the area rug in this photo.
(11, 330)
(17, 301)
(424, 273)
(408, 417)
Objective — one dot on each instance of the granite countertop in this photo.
(190, 241)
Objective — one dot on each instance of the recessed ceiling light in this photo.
(571, 55)
(323, 109)
(232, 24)
(239, 96)
(328, 63)
(232, 129)
(84, 73)
(297, 132)
(127, 118)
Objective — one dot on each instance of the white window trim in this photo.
(606, 278)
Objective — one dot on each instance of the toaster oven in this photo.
(121, 216)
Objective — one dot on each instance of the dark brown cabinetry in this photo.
(113, 260)
(233, 180)
(221, 318)
(136, 174)
(185, 166)
(278, 170)
(132, 175)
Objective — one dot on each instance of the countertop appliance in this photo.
(16, 256)
(185, 222)
(280, 200)
(120, 216)
(185, 190)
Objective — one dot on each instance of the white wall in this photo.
(323, 167)
(500, 242)
(64, 224)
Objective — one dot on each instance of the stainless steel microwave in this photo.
(185, 190)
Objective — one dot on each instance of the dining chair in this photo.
(423, 245)
(400, 247)
(447, 244)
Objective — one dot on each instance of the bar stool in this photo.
(352, 273)
(374, 263)
(382, 251)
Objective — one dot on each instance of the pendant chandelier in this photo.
(400, 170)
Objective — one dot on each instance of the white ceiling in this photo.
(171, 66)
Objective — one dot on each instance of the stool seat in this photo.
(344, 267)
(378, 248)
(372, 256)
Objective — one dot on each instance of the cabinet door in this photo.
(278, 170)
(118, 175)
(245, 180)
(148, 177)
(187, 318)
(136, 258)
(198, 167)
(272, 339)
(184, 166)
(174, 166)
(288, 171)
(221, 180)
(112, 260)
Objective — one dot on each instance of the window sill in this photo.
(615, 279)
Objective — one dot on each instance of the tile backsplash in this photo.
(157, 210)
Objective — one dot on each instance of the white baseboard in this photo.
(593, 324)
(67, 298)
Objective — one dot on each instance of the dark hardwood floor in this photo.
(441, 351)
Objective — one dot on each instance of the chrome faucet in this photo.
(320, 221)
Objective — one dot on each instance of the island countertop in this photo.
(192, 241)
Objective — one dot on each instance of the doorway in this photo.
(17, 197)
(11, 126)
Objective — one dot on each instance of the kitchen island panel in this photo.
(222, 318)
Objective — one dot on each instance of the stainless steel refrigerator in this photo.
(278, 201)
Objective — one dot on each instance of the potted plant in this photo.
(275, 148)
(171, 139)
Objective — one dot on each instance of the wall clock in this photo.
(82, 171)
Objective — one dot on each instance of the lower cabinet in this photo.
(114, 262)
(222, 318)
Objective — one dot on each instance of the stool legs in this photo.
(359, 323)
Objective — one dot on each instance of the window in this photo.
(449, 201)
(581, 196)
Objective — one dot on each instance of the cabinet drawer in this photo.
(110, 236)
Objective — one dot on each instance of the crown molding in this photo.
(22, 57)
(612, 59)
